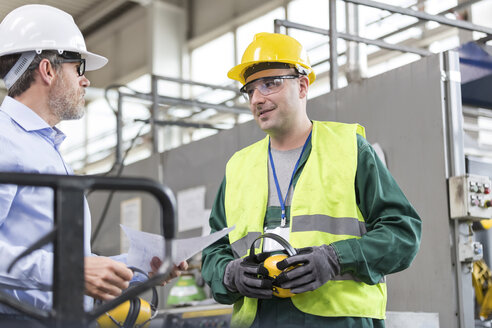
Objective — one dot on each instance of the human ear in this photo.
(303, 86)
(46, 71)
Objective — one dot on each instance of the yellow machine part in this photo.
(482, 283)
(486, 224)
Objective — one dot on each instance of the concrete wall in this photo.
(402, 111)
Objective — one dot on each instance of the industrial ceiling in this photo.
(88, 14)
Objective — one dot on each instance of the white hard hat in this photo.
(42, 27)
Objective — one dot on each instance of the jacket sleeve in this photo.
(393, 226)
(216, 256)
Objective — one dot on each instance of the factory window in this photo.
(210, 63)
(245, 33)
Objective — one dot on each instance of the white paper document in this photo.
(144, 246)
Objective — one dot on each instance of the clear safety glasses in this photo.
(265, 85)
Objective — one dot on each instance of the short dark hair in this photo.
(27, 78)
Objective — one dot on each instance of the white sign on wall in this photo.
(191, 209)
(130, 216)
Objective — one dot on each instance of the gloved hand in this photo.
(248, 277)
(318, 264)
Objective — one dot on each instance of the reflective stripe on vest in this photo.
(337, 226)
(240, 247)
(323, 211)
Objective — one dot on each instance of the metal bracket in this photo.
(451, 76)
(470, 252)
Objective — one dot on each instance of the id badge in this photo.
(270, 245)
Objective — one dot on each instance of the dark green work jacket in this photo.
(390, 244)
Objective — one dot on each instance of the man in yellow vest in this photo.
(319, 185)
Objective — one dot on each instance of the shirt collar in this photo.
(23, 115)
(26, 118)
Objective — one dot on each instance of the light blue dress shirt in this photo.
(29, 144)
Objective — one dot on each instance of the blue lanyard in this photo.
(279, 193)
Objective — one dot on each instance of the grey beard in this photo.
(65, 106)
(63, 110)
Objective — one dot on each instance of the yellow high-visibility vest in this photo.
(323, 211)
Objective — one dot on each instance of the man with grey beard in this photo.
(43, 59)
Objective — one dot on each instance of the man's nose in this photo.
(85, 82)
(256, 97)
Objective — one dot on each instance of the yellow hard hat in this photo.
(273, 48)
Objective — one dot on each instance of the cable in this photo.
(117, 86)
(115, 111)
(118, 173)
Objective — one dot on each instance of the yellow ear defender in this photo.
(136, 312)
(271, 262)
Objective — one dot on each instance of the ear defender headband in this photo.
(271, 262)
(154, 302)
(291, 251)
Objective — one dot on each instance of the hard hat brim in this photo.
(93, 61)
(237, 72)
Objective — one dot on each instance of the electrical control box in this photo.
(470, 197)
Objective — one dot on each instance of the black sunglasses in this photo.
(68, 57)
(80, 68)
(73, 57)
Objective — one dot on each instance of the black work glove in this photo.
(313, 267)
(248, 277)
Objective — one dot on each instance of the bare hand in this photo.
(156, 263)
(105, 278)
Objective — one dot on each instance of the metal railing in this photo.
(157, 100)
(68, 244)
(334, 34)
